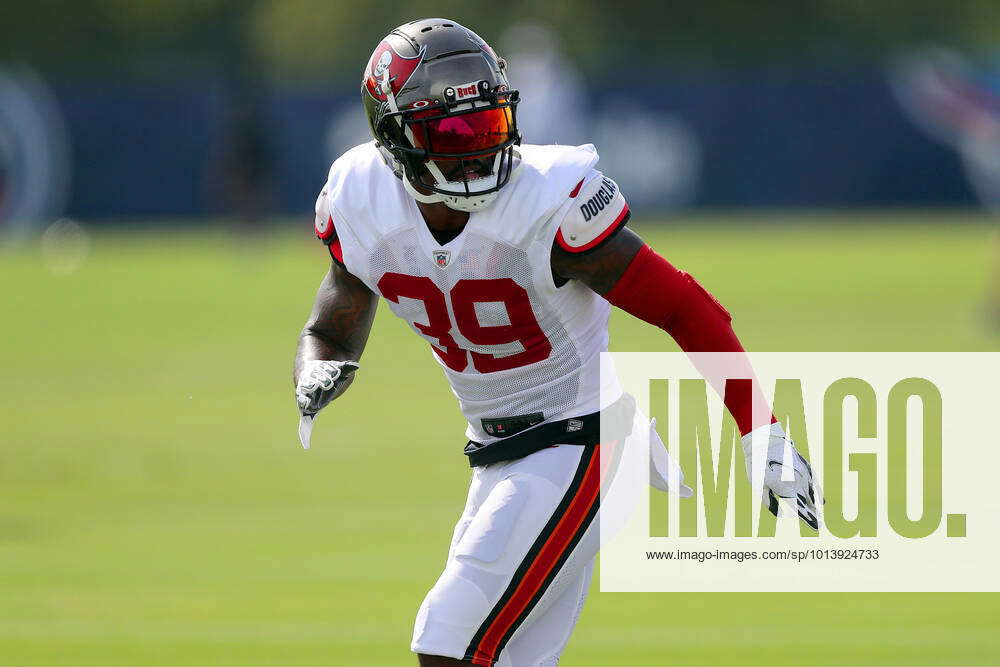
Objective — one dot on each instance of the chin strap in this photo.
(460, 202)
(431, 198)
(467, 204)
(470, 204)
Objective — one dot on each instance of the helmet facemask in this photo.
(460, 153)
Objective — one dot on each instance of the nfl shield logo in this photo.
(442, 258)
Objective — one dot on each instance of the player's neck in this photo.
(443, 220)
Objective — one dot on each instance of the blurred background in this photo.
(829, 169)
(188, 109)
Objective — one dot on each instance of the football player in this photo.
(506, 259)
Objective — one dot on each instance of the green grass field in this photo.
(156, 508)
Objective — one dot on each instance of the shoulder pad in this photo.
(598, 211)
(554, 158)
(325, 229)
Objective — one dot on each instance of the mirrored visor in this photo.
(477, 132)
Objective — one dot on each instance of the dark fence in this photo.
(761, 140)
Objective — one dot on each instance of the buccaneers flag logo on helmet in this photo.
(400, 69)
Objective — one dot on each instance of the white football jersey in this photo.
(518, 348)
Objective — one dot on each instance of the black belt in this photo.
(584, 430)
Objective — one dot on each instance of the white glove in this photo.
(317, 385)
(664, 473)
(319, 381)
(786, 474)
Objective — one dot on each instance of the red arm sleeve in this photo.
(656, 292)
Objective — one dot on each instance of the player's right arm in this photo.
(333, 339)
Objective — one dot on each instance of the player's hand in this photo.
(786, 474)
(318, 384)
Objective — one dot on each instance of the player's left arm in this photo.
(634, 277)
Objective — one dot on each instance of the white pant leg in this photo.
(527, 537)
(542, 638)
